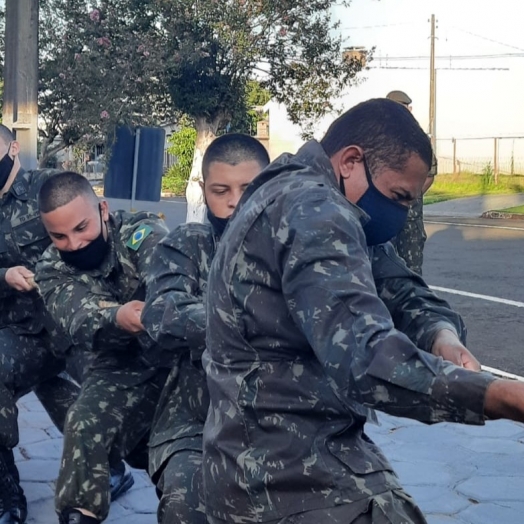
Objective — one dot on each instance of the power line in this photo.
(488, 39)
(375, 26)
(451, 57)
(445, 68)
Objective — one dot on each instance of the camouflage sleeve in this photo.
(4, 286)
(174, 313)
(141, 254)
(320, 243)
(414, 308)
(74, 303)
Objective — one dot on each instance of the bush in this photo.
(181, 145)
(488, 176)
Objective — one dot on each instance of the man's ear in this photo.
(14, 148)
(348, 156)
(203, 187)
(104, 210)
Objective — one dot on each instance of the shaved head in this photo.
(63, 188)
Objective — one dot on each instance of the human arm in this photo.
(417, 311)
(20, 278)
(328, 284)
(174, 314)
(79, 305)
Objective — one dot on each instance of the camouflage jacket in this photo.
(23, 239)
(84, 303)
(299, 347)
(174, 316)
(414, 308)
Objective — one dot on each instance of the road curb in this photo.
(502, 215)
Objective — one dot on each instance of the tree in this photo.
(213, 48)
(97, 71)
(182, 146)
(251, 112)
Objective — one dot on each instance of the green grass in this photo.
(448, 187)
(518, 210)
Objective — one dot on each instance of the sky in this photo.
(469, 103)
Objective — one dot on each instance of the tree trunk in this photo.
(47, 150)
(196, 207)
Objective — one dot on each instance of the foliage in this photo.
(488, 176)
(182, 146)
(97, 70)
(214, 47)
(448, 187)
(246, 121)
(517, 210)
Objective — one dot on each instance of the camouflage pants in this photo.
(180, 488)
(112, 416)
(25, 363)
(409, 243)
(391, 507)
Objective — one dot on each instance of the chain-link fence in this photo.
(502, 155)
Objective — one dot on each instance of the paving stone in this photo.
(422, 434)
(499, 446)
(30, 436)
(423, 473)
(458, 474)
(494, 513)
(493, 489)
(432, 451)
(492, 428)
(48, 449)
(136, 519)
(496, 464)
(36, 491)
(438, 499)
(42, 512)
(444, 519)
(38, 470)
(35, 419)
(140, 501)
(117, 511)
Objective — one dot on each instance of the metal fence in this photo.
(503, 155)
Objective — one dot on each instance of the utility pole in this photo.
(20, 111)
(432, 90)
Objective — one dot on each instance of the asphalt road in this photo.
(482, 257)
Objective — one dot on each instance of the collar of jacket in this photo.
(310, 156)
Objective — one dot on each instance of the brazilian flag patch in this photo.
(138, 237)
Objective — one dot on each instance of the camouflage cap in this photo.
(400, 97)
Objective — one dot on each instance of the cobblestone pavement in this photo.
(458, 474)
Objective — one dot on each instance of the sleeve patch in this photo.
(138, 237)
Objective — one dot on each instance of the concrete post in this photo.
(20, 112)
(454, 156)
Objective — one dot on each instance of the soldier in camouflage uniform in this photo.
(409, 243)
(31, 349)
(300, 348)
(92, 280)
(174, 316)
(31, 352)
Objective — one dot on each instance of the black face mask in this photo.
(6, 166)
(218, 224)
(90, 256)
(387, 217)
